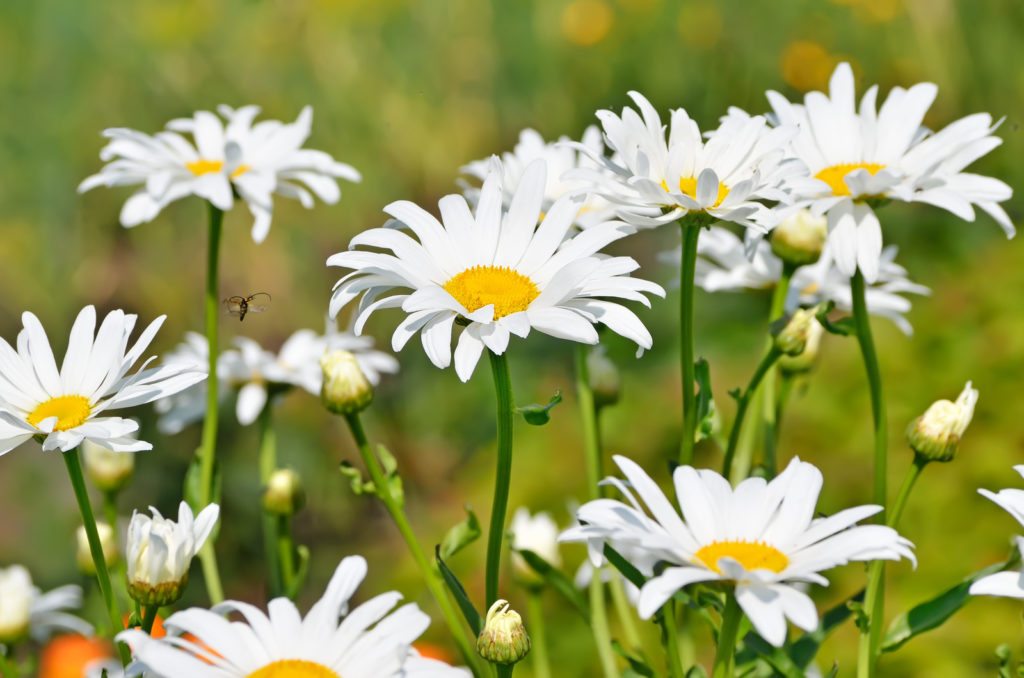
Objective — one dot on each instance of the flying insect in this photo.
(254, 303)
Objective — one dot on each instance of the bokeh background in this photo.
(408, 92)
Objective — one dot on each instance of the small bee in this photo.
(254, 303)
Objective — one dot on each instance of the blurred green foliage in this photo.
(408, 92)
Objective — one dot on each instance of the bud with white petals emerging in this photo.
(284, 494)
(804, 361)
(108, 542)
(345, 389)
(799, 239)
(16, 593)
(539, 534)
(934, 435)
(160, 552)
(503, 639)
(109, 471)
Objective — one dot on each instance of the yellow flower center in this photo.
(688, 186)
(834, 175)
(294, 668)
(201, 167)
(70, 410)
(509, 291)
(751, 555)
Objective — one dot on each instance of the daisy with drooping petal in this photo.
(25, 611)
(372, 640)
(858, 157)
(497, 271)
(762, 536)
(1009, 584)
(62, 407)
(254, 160)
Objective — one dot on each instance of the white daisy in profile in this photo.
(761, 536)
(654, 179)
(561, 158)
(537, 533)
(188, 406)
(372, 640)
(27, 612)
(61, 408)
(496, 271)
(254, 160)
(858, 157)
(1009, 584)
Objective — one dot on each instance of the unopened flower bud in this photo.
(108, 542)
(109, 471)
(539, 534)
(345, 388)
(934, 435)
(799, 239)
(284, 494)
(804, 361)
(793, 337)
(16, 594)
(604, 378)
(503, 639)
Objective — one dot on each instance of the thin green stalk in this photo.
(725, 653)
(74, 466)
(626, 614)
(687, 269)
(430, 573)
(771, 431)
(208, 446)
(267, 460)
(110, 509)
(538, 636)
(599, 625)
(504, 670)
(285, 551)
(671, 632)
(913, 473)
(149, 618)
(503, 473)
(742, 403)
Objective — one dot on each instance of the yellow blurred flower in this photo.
(806, 65)
(587, 22)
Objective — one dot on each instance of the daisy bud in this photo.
(804, 361)
(345, 388)
(15, 604)
(160, 552)
(793, 337)
(537, 533)
(503, 640)
(108, 542)
(284, 494)
(604, 378)
(799, 239)
(109, 471)
(934, 435)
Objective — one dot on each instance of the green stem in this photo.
(503, 473)
(538, 637)
(504, 670)
(588, 415)
(599, 625)
(626, 614)
(742, 403)
(110, 509)
(149, 618)
(688, 266)
(430, 573)
(913, 473)
(267, 460)
(74, 466)
(771, 430)
(208, 447)
(675, 659)
(285, 552)
(725, 653)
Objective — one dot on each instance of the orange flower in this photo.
(67, 656)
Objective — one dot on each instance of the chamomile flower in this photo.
(25, 611)
(497, 271)
(188, 406)
(254, 160)
(761, 536)
(1009, 584)
(858, 157)
(654, 179)
(537, 533)
(372, 640)
(62, 408)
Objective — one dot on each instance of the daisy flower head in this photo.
(860, 156)
(61, 408)
(562, 159)
(372, 640)
(226, 157)
(497, 271)
(760, 536)
(25, 611)
(188, 406)
(537, 533)
(655, 179)
(1008, 584)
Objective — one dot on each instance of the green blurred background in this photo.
(408, 92)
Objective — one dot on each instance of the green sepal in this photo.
(558, 581)
(538, 415)
(460, 535)
(473, 618)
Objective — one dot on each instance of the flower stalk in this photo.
(743, 403)
(503, 473)
(271, 532)
(691, 233)
(725, 652)
(538, 637)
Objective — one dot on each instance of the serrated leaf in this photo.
(394, 481)
(473, 617)
(355, 477)
(538, 415)
(558, 581)
(705, 402)
(461, 535)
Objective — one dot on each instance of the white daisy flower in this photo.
(25, 611)
(858, 157)
(373, 640)
(255, 161)
(537, 533)
(188, 406)
(1008, 584)
(655, 180)
(160, 552)
(497, 271)
(62, 408)
(762, 536)
(561, 158)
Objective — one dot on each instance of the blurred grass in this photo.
(408, 92)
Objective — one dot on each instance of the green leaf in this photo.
(390, 466)
(835, 670)
(300, 572)
(473, 618)
(775, 656)
(696, 671)
(705, 403)
(461, 535)
(355, 477)
(538, 415)
(806, 647)
(558, 581)
(638, 666)
(844, 327)
(627, 569)
(933, 613)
